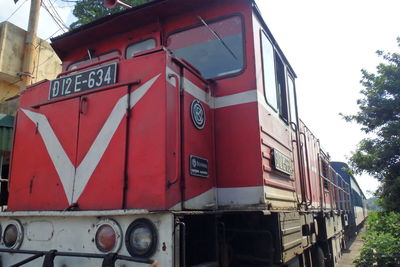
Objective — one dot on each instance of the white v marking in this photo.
(64, 167)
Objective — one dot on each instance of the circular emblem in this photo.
(194, 163)
(198, 114)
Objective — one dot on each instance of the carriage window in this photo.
(269, 72)
(93, 59)
(216, 50)
(292, 100)
(141, 46)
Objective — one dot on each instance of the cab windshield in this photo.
(214, 56)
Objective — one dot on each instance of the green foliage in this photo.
(373, 203)
(88, 10)
(379, 115)
(382, 241)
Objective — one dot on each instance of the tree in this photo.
(89, 10)
(381, 240)
(379, 115)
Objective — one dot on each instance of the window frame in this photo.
(87, 58)
(279, 94)
(285, 72)
(139, 41)
(209, 21)
(262, 32)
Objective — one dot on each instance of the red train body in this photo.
(180, 117)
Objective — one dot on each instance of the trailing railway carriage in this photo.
(359, 211)
(171, 138)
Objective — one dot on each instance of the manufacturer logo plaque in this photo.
(198, 114)
(198, 166)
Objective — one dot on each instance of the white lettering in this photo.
(100, 75)
(62, 87)
(68, 82)
(107, 77)
(56, 87)
(77, 82)
(91, 81)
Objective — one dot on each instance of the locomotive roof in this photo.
(134, 17)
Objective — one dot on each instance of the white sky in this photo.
(327, 44)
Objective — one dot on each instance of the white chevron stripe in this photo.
(249, 96)
(64, 167)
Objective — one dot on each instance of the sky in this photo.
(327, 44)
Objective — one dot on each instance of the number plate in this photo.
(83, 81)
(282, 163)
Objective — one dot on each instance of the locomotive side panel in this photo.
(198, 161)
(278, 149)
(232, 97)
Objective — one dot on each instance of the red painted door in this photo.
(198, 147)
(100, 162)
(45, 145)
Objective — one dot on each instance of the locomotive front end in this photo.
(108, 238)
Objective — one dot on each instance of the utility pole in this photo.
(29, 48)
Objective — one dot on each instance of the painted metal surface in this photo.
(6, 132)
(291, 235)
(67, 233)
(106, 150)
(357, 199)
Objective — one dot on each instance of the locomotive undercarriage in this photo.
(238, 239)
(186, 238)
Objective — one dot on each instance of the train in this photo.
(172, 138)
(359, 209)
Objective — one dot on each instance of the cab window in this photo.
(214, 48)
(269, 72)
(93, 59)
(274, 76)
(281, 87)
(141, 46)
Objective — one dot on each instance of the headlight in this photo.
(141, 238)
(13, 234)
(108, 236)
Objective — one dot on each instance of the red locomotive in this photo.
(171, 137)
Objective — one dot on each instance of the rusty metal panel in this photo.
(6, 132)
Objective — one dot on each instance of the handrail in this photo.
(299, 149)
(51, 254)
(334, 186)
(177, 137)
(308, 166)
